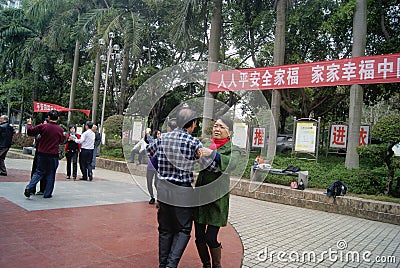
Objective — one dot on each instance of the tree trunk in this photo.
(356, 91)
(388, 161)
(213, 57)
(74, 79)
(279, 58)
(124, 79)
(96, 87)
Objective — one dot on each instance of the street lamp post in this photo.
(109, 52)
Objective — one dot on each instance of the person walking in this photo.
(86, 155)
(51, 136)
(208, 218)
(176, 153)
(71, 150)
(97, 141)
(152, 166)
(6, 135)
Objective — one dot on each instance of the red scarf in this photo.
(216, 143)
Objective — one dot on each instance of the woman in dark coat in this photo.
(208, 218)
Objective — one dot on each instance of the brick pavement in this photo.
(292, 236)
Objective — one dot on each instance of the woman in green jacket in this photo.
(213, 213)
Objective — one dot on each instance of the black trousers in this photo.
(85, 162)
(72, 159)
(207, 233)
(42, 184)
(174, 227)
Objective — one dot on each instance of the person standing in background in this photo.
(86, 155)
(97, 141)
(71, 150)
(6, 135)
(152, 166)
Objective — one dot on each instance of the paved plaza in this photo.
(108, 223)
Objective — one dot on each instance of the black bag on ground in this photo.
(337, 188)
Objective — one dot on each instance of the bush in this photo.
(114, 144)
(22, 140)
(368, 179)
(113, 127)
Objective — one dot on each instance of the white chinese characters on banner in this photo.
(358, 70)
(258, 137)
(339, 133)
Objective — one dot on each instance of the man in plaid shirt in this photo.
(176, 152)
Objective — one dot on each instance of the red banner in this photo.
(43, 107)
(359, 70)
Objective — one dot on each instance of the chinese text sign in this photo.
(359, 70)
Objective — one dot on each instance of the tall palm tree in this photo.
(356, 91)
(214, 47)
(279, 57)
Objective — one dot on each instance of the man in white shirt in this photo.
(86, 154)
(139, 148)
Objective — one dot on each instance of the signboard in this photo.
(364, 135)
(396, 150)
(258, 139)
(338, 137)
(339, 133)
(240, 135)
(359, 70)
(306, 136)
(44, 107)
(137, 130)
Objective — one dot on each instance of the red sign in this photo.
(359, 70)
(339, 135)
(44, 107)
(258, 137)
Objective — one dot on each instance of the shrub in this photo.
(22, 140)
(113, 127)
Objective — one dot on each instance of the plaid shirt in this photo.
(176, 155)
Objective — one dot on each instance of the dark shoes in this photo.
(3, 174)
(152, 201)
(74, 178)
(50, 196)
(83, 179)
(90, 177)
(27, 192)
(39, 193)
(68, 177)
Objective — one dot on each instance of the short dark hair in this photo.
(185, 118)
(171, 124)
(89, 124)
(53, 115)
(227, 121)
(155, 133)
(71, 126)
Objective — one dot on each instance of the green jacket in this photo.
(216, 212)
